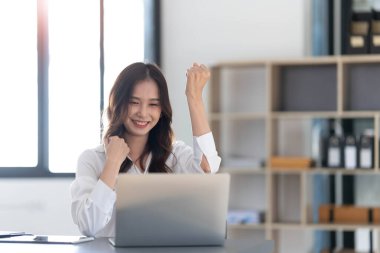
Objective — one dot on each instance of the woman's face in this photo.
(144, 108)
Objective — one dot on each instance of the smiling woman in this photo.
(139, 140)
(68, 51)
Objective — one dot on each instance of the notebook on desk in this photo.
(171, 210)
(46, 239)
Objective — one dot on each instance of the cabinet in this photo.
(269, 108)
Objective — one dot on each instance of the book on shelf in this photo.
(286, 162)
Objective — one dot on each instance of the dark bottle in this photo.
(334, 152)
(350, 152)
(366, 150)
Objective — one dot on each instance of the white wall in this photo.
(205, 31)
(39, 206)
(210, 31)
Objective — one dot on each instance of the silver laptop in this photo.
(171, 210)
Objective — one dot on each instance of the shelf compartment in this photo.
(248, 194)
(319, 190)
(361, 238)
(361, 87)
(304, 88)
(291, 137)
(367, 190)
(239, 90)
(307, 137)
(286, 199)
(241, 143)
(295, 241)
(255, 235)
(314, 238)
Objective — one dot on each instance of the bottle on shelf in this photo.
(334, 145)
(365, 149)
(334, 152)
(350, 152)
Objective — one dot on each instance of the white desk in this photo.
(103, 246)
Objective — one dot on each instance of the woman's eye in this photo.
(134, 102)
(155, 105)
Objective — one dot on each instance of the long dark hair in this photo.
(160, 138)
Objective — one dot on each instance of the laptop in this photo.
(171, 210)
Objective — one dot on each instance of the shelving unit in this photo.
(267, 108)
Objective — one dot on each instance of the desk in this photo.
(101, 245)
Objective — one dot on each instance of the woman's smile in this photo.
(140, 124)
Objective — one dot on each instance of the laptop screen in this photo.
(171, 209)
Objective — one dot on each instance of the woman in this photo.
(139, 139)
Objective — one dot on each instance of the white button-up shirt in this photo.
(93, 202)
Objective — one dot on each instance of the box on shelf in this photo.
(325, 213)
(359, 33)
(349, 214)
(245, 217)
(285, 162)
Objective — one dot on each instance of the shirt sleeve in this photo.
(92, 201)
(205, 145)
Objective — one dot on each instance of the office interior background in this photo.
(204, 31)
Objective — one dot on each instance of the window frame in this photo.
(151, 53)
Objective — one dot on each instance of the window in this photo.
(51, 98)
(18, 84)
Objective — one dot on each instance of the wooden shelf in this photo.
(329, 227)
(310, 171)
(237, 116)
(245, 171)
(313, 115)
(271, 107)
(246, 226)
(287, 226)
(345, 171)
(345, 227)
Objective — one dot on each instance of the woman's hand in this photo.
(116, 150)
(197, 77)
